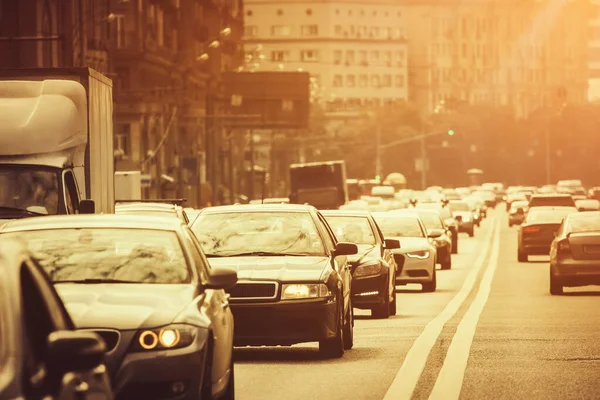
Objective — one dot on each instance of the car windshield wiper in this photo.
(19, 210)
(94, 280)
(262, 253)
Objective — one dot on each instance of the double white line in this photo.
(449, 382)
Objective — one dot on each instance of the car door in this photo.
(342, 263)
(388, 257)
(220, 314)
(92, 384)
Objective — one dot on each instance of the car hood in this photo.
(365, 251)
(280, 268)
(412, 244)
(124, 306)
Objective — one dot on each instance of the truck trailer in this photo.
(56, 142)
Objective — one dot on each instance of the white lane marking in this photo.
(450, 380)
(406, 379)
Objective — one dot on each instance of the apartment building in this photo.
(355, 51)
(526, 54)
(594, 52)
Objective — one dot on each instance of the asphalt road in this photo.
(491, 330)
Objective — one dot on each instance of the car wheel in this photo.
(230, 390)
(448, 263)
(556, 288)
(393, 310)
(334, 348)
(429, 287)
(382, 311)
(522, 257)
(349, 330)
(472, 232)
(455, 245)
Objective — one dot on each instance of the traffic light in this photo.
(450, 132)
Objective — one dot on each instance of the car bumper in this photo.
(369, 291)
(576, 272)
(466, 226)
(285, 322)
(443, 252)
(413, 270)
(153, 374)
(535, 247)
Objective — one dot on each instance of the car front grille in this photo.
(254, 291)
(110, 337)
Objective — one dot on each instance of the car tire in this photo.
(382, 311)
(349, 329)
(334, 347)
(431, 286)
(510, 224)
(229, 393)
(556, 288)
(472, 232)
(455, 243)
(393, 310)
(448, 263)
(522, 257)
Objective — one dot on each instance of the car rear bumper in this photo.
(466, 226)
(152, 374)
(285, 322)
(576, 272)
(414, 270)
(369, 291)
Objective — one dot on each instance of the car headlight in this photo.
(420, 254)
(304, 291)
(168, 337)
(370, 269)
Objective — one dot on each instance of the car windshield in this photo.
(396, 226)
(108, 254)
(548, 216)
(351, 229)
(431, 221)
(458, 206)
(584, 222)
(552, 201)
(28, 189)
(248, 233)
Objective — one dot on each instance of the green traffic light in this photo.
(450, 132)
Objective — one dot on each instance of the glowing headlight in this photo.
(174, 336)
(367, 270)
(304, 291)
(421, 254)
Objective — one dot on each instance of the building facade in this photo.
(522, 54)
(594, 52)
(355, 51)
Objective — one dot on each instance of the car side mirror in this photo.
(392, 244)
(345, 249)
(87, 207)
(458, 218)
(222, 278)
(435, 233)
(72, 351)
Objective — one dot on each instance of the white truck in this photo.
(56, 142)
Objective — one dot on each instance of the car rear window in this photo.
(551, 201)
(548, 216)
(584, 222)
(351, 229)
(393, 226)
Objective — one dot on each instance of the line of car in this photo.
(147, 299)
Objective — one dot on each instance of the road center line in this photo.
(406, 379)
(450, 380)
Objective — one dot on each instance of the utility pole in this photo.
(424, 161)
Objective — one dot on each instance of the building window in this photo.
(280, 30)
(375, 56)
(387, 81)
(250, 31)
(48, 59)
(123, 140)
(309, 11)
(363, 58)
(337, 30)
(337, 81)
(280, 55)
(399, 81)
(337, 57)
(375, 82)
(280, 12)
(363, 81)
(349, 57)
(350, 81)
(387, 58)
(309, 56)
(249, 13)
(309, 30)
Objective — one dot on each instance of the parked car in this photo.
(575, 252)
(143, 284)
(416, 256)
(538, 229)
(373, 268)
(42, 356)
(295, 282)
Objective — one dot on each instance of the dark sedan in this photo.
(42, 356)
(449, 221)
(373, 268)
(143, 284)
(538, 229)
(440, 235)
(575, 252)
(295, 279)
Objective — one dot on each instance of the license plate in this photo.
(592, 249)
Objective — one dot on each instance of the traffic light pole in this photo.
(424, 162)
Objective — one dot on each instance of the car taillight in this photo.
(564, 248)
(531, 229)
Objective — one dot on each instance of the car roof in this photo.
(551, 208)
(147, 206)
(346, 213)
(259, 208)
(585, 214)
(551, 195)
(93, 221)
